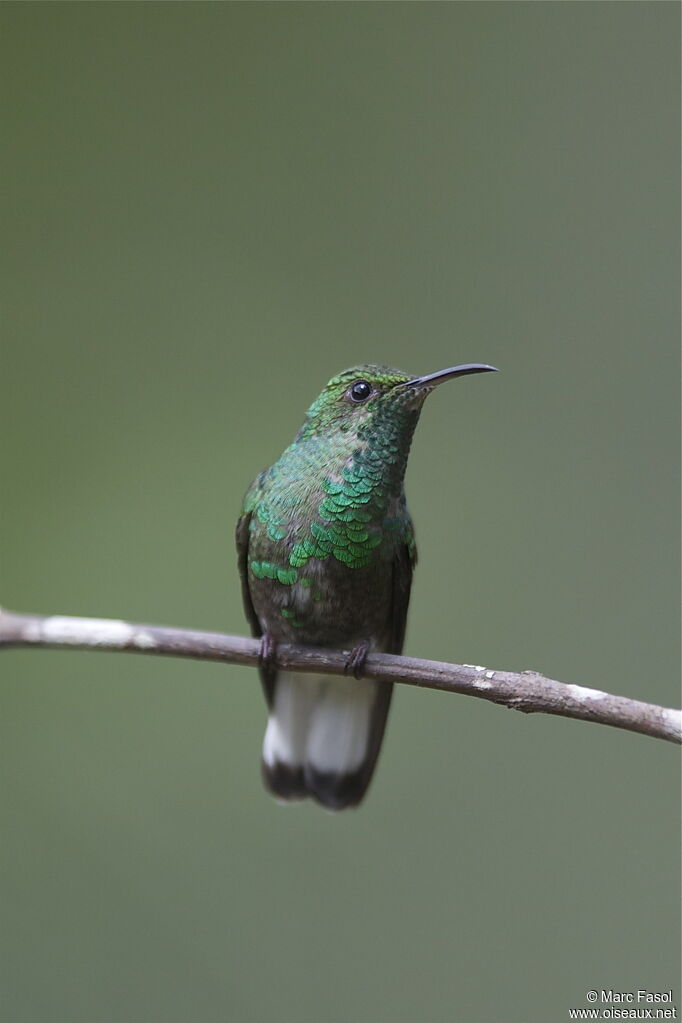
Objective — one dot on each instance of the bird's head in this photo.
(369, 398)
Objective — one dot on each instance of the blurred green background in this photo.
(207, 211)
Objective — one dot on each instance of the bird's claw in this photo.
(356, 661)
(267, 652)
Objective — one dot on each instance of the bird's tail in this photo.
(323, 737)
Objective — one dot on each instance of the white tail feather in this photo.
(319, 721)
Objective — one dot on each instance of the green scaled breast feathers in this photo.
(348, 524)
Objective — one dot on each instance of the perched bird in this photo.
(326, 552)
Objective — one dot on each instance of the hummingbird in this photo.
(326, 551)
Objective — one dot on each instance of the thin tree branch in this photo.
(527, 691)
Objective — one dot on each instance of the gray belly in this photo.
(330, 604)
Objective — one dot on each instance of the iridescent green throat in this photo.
(361, 515)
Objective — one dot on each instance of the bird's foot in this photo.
(356, 661)
(267, 653)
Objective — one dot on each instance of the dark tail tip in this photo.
(333, 791)
(337, 791)
(283, 781)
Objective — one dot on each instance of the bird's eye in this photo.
(360, 391)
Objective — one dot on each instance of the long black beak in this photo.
(447, 374)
